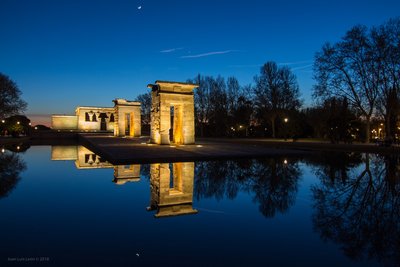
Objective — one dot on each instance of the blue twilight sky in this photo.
(66, 53)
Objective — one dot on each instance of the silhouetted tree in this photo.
(233, 94)
(145, 110)
(386, 52)
(276, 92)
(348, 69)
(219, 107)
(202, 104)
(10, 98)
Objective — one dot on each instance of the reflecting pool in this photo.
(66, 206)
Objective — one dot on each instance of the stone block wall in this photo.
(64, 122)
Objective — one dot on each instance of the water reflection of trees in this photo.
(11, 165)
(273, 182)
(360, 208)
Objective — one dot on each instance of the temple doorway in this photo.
(103, 122)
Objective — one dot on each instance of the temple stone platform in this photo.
(117, 150)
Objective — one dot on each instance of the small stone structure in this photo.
(172, 113)
(172, 197)
(127, 118)
(123, 119)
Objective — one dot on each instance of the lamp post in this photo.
(286, 121)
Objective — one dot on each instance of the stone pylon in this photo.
(172, 113)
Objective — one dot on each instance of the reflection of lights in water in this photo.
(199, 146)
(285, 161)
(172, 146)
(142, 143)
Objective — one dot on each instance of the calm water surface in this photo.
(65, 206)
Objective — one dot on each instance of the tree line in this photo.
(357, 88)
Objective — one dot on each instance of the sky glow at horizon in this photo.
(64, 54)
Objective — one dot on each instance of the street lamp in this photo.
(285, 120)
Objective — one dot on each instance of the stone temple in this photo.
(123, 119)
(172, 116)
(172, 113)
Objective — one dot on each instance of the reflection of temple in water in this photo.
(86, 159)
(172, 188)
(171, 184)
(126, 173)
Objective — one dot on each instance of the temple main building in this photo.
(172, 116)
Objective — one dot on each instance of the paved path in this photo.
(137, 150)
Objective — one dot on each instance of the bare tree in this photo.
(202, 104)
(145, 101)
(276, 92)
(349, 70)
(233, 93)
(386, 52)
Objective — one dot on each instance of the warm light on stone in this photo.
(123, 119)
(172, 197)
(127, 118)
(94, 118)
(64, 122)
(180, 97)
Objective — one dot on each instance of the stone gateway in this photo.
(172, 113)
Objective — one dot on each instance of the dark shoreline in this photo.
(137, 150)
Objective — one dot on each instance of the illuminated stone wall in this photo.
(95, 118)
(124, 119)
(127, 118)
(64, 122)
(170, 198)
(179, 96)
